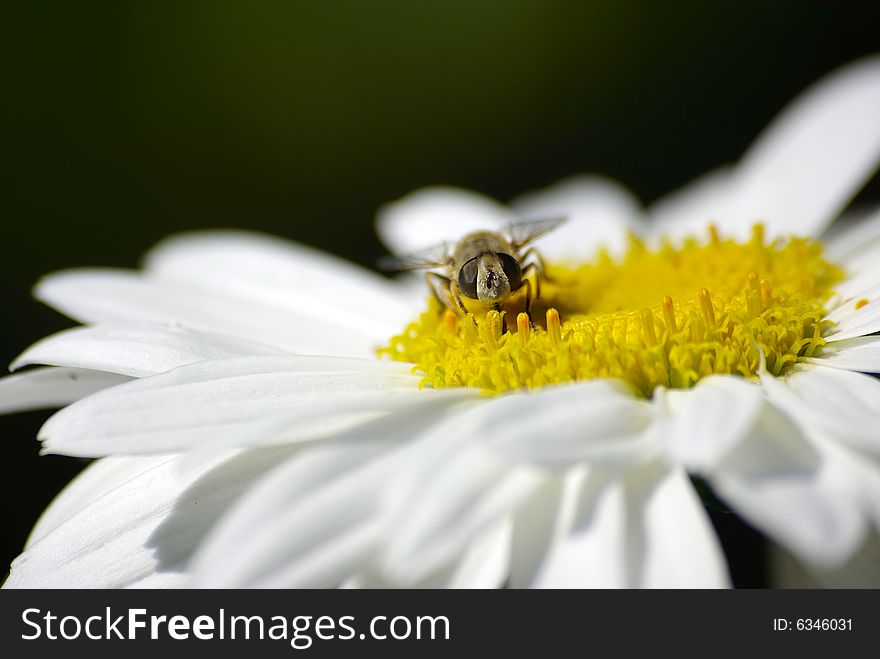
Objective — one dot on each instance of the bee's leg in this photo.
(539, 275)
(437, 283)
(536, 255)
(528, 285)
(537, 262)
(454, 294)
(434, 280)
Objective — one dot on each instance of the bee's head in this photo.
(490, 278)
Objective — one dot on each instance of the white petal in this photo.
(648, 530)
(854, 318)
(95, 481)
(586, 543)
(247, 400)
(849, 240)
(435, 215)
(836, 415)
(486, 563)
(853, 242)
(861, 282)
(44, 388)
(778, 483)
(840, 403)
(338, 557)
(680, 548)
(124, 297)
(600, 212)
(689, 210)
(540, 521)
(161, 580)
(330, 417)
(471, 471)
(861, 475)
(315, 521)
(436, 516)
(137, 352)
(701, 425)
(280, 275)
(598, 420)
(859, 354)
(809, 163)
(147, 525)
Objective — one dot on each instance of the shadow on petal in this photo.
(205, 501)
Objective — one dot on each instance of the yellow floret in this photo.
(666, 316)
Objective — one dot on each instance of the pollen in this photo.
(664, 316)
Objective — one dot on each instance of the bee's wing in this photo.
(528, 231)
(436, 256)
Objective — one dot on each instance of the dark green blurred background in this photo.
(121, 122)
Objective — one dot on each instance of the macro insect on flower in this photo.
(485, 266)
(250, 436)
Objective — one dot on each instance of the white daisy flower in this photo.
(251, 436)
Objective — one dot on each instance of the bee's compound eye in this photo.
(512, 270)
(467, 279)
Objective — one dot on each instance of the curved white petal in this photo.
(95, 481)
(125, 297)
(472, 470)
(838, 412)
(572, 534)
(140, 528)
(852, 240)
(700, 426)
(483, 564)
(599, 213)
(45, 388)
(315, 521)
(861, 282)
(680, 548)
(812, 159)
(486, 562)
(281, 275)
(161, 580)
(647, 530)
(856, 316)
(861, 475)
(247, 400)
(330, 417)
(859, 354)
(431, 216)
(134, 351)
(435, 519)
(780, 484)
(689, 210)
(541, 520)
(598, 420)
(840, 403)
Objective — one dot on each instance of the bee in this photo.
(486, 266)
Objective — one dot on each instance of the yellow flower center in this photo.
(668, 316)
